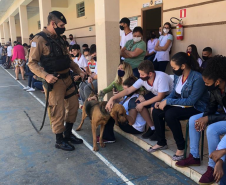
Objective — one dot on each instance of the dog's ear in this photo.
(114, 115)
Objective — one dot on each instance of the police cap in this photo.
(60, 16)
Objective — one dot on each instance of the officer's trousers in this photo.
(62, 110)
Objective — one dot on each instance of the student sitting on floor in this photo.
(136, 123)
(158, 84)
(214, 77)
(189, 97)
(124, 71)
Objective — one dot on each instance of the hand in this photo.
(90, 80)
(217, 154)
(115, 92)
(140, 98)
(202, 122)
(157, 105)
(93, 75)
(82, 75)
(92, 98)
(218, 171)
(35, 77)
(51, 79)
(162, 105)
(139, 107)
(109, 105)
(76, 78)
(197, 127)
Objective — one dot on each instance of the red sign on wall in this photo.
(183, 13)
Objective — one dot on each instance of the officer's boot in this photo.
(62, 144)
(71, 137)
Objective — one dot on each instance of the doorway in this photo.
(151, 20)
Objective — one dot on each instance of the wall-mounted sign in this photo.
(146, 5)
(183, 13)
(158, 2)
(133, 22)
(151, 2)
(90, 29)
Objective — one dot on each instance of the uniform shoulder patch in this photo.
(33, 44)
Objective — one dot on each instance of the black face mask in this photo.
(72, 55)
(212, 87)
(59, 31)
(121, 27)
(178, 72)
(153, 36)
(71, 38)
(205, 58)
(77, 55)
(145, 78)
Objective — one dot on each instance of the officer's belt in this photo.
(63, 76)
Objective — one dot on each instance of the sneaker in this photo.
(190, 161)
(177, 157)
(148, 134)
(154, 137)
(207, 178)
(26, 88)
(105, 141)
(30, 90)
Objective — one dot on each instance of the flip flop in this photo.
(151, 150)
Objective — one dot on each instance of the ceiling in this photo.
(4, 6)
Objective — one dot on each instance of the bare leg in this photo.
(22, 71)
(17, 72)
(145, 114)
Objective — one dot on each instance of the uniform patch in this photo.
(33, 44)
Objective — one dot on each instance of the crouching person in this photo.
(213, 119)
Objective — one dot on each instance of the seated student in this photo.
(150, 55)
(85, 46)
(218, 156)
(79, 57)
(158, 84)
(214, 77)
(189, 97)
(134, 50)
(206, 55)
(192, 49)
(136, 123)
(124, 71)
(85, 88)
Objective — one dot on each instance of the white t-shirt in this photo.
(72, 42)
(162, 83)
(140, 122)
(82, 62)
(200, 62)
(151, 45)
(9, 51)
(180, 85)
(164, 55)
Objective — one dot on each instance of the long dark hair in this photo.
(184, 58)
(194, 51)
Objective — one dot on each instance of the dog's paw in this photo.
(102, 145)
(95, 149)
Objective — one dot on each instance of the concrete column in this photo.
(107, 40)
(12, 28)
(44, 9)
(6, 31)
(24, 24)
(2, 34)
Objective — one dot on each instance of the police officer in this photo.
(48, 48)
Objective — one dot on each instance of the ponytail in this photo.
(186, 58)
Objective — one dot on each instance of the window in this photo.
(39, 25)
(80, 9)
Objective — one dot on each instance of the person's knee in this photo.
(192, 121)
(210, 131)
(169, 115)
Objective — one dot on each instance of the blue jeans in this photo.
(38, 85)
(213, 133)
(223, 180)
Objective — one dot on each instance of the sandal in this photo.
(151, 150)
(177, 157)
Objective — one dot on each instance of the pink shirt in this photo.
(18, 52)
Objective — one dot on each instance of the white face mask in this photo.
(136, 39)
(88, 58)
(166, 30)
(160, 33)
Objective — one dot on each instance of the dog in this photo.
(95, 110)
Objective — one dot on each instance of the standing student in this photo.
(158, 84)
(72, 40)
(127, 32)
(163, 47)
(189, 97)
(150, 55)
(192, 49)
(134, 51)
